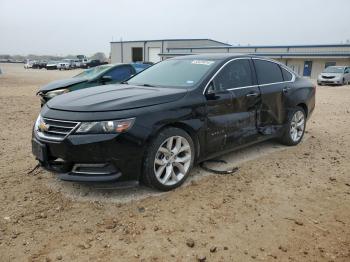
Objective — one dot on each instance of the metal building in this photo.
(306, 60)
(149, 50)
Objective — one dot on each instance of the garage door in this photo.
(153, 54)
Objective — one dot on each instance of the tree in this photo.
(99, 56)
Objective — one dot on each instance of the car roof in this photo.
(216, 56)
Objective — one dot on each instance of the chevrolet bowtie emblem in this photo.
(43, 127)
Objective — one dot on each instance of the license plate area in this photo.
(39, 150)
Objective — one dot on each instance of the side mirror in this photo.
(210, 93)
(105, 79)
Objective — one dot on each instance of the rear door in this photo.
(273, 89)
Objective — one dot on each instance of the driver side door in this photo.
(232, 102)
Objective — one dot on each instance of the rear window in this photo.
(286, 75)
(267, 72)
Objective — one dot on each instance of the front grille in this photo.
(328, 77)
(56, 130)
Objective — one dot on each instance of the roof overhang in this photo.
(275, 55)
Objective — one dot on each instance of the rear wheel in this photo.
(169, 159)
(295, 129)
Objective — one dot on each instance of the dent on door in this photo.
(243, 124)
(219, 112)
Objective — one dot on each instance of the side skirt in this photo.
(220, 153)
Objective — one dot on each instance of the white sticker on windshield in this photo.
(202, 62)
(189, 82)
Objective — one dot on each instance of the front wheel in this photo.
(295, 128)
(169, 159)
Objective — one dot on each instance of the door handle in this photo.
(252, 94)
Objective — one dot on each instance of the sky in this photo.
(62, 27)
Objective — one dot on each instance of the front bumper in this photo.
(321, 81)
(90, 158)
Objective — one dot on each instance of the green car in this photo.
(100, 75)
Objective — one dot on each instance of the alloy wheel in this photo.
(297, 126)
(172, 160)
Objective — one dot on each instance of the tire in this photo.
(162, 157)
(294, 130)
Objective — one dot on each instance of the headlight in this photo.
(106, 127)
(57, 92)
(38, 123)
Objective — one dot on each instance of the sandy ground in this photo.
(284, 204)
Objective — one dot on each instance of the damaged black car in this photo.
(157, 125)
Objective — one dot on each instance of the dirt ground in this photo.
(284, 204)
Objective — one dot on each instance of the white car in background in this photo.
(28, 64)
(51, 65)
(76, 63)
(334, 75)
(66, 64)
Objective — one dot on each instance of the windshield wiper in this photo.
(124, 82)
(148, 85)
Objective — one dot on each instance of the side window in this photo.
(347, 70)
(120, 73)
(286, 75)
(235, 74)
(267, 72)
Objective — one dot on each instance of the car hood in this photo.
(62, 83)
(114, 98)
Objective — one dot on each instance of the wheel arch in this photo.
(190, 131)
(185, 127)
(304, 107)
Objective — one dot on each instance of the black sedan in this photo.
(178, 112)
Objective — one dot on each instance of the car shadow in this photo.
(117, 193)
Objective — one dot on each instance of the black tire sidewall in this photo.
(149, 176)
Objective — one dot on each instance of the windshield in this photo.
(93, 72)
(334, 69)
(174, 73)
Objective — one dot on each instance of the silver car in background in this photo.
(334, 75)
